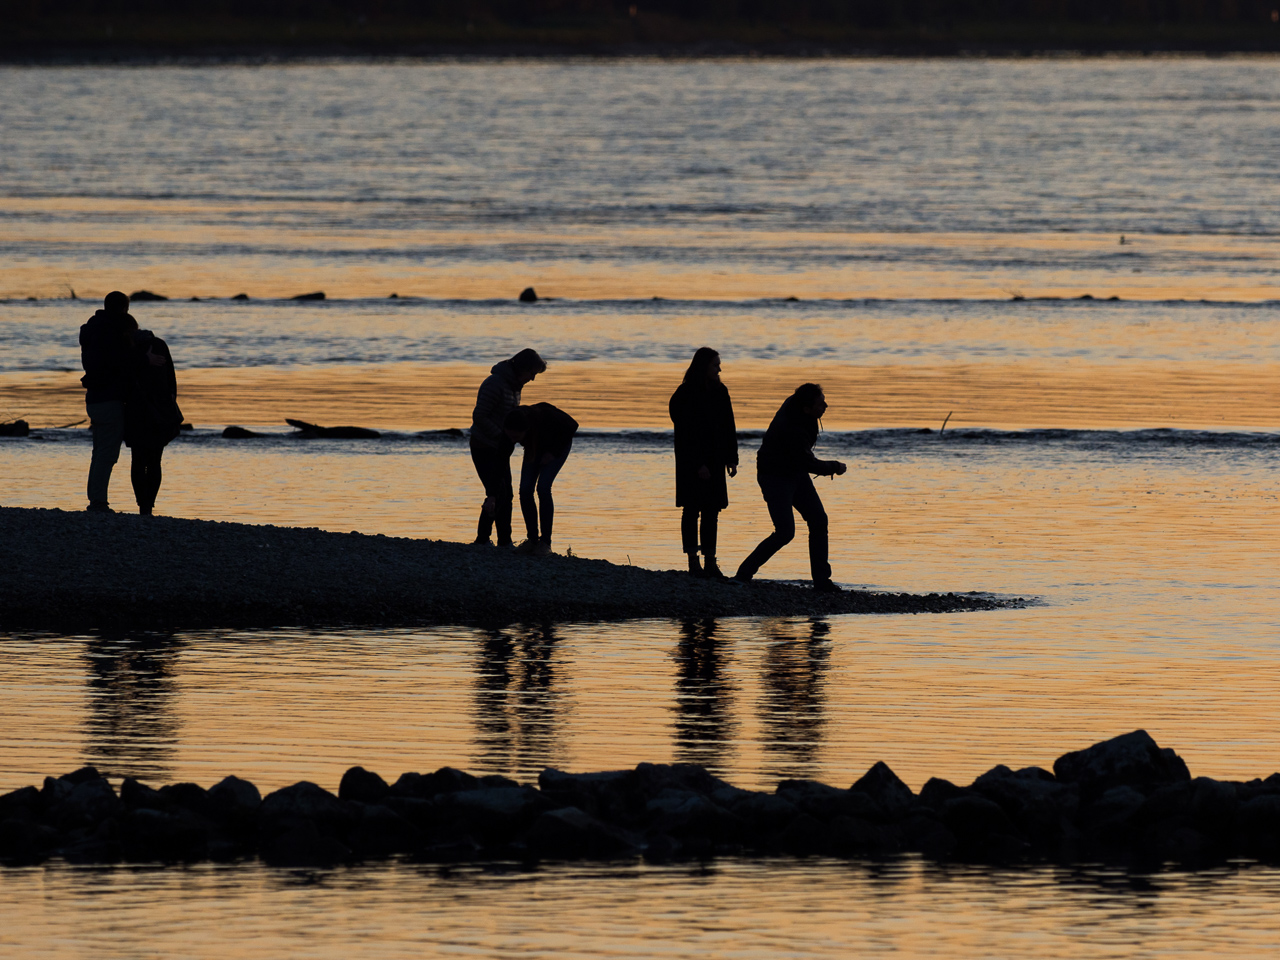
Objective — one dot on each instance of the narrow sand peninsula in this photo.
(72, 572)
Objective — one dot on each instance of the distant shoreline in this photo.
(74, 572)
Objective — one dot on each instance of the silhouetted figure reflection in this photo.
(793, 702)
(518, 702)
(131, 729)
(704, 698)
(706, 442)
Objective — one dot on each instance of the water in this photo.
(1114, 459)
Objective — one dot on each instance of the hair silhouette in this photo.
(698, 366)
(116, 302)
(528, 359)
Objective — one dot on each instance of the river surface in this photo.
(935, 241)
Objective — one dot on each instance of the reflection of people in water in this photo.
(793, 707)
(131, 729)
(518, 701)
(704, 698)
(706, 442)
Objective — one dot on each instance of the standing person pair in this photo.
(131, 393)
(498, 423)
(706, 449)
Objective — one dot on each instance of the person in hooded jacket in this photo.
(491, 448)
(546, 433)
(106, 350)
(706, 442)
(151, 415)
(783, 468)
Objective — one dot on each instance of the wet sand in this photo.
(70, 571)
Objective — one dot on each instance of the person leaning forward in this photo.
(783, 466)
(106, 352)
(491, 448)
(546, 433)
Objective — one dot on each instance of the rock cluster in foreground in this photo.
(79, 571)
(1123, 801)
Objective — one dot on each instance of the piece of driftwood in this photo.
(311, 431)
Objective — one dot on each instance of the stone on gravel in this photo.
(1132, 760)
(362, 785)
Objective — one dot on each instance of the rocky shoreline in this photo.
(1123, 801)
(73, 572)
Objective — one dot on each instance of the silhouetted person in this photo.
(491, 447)
(783, 466)
(706, 449)
(106, 352)
(151, 415)
(546, 432)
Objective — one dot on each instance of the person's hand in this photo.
(733, 470)
(840, 469)
(704, 473)
(155, 359)
(489, 505)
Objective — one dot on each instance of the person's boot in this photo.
(695, 566)
(99, 506)
(144, 510)
(826, 586)
(710, 570)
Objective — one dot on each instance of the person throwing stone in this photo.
(106, 352)
(783, 466)
(491, 448)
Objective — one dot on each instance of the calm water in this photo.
(1115, 459)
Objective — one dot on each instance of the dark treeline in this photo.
(927, 25)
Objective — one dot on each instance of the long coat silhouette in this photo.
(706, 435)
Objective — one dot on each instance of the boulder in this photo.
(232, 796)
(362, 785)
(981, 828)
(302, 845)
(1258, 828)
(764, 812)
(856, 837)
(188, 796)
(826, 802)
(492, 815)
(175, 835)
(141, 296)
(1132, 760)
(23, 804)
(317, 295)
(426, 786)
(528, 295)
(686, 815)
(86, 805)
(568, 833)
(937, 791)
(305, 802)
(23, 841)
(381, 831)
(805, 836)
(883, 786)
(133, 793)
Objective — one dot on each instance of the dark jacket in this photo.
(151, 414)
(706, 435)
(787, 448)
(106, 354)
(498, 396)
(550, 431)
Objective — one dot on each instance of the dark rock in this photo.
(83, 775)
(457, 850)
(492, 815)
(765, 812)
(423, 814)
(136, 794)
(24, 841)
(88, 804)
(1042, 809)
(1108, 822)
(1132, 760)
(602, 794)
(855, 837)
(381, 832)
(497, 780)
(240, 433)
(23, 803)
(528, 295)
(241, 296)
(1214, 804)
(426, 786)
(232, 796)
(883, 786)
(15, 428)
(362, 785)
(310, 431)
(317, 295)
(686, 814)
(937, 791)
(826, 802)
(305, 801)
(165, 835)
(926, 836)
(54, 791)
(804, 836)
(303, 846)
(1258, 828)
(189, 796)
(569, 833)
(976, 822)
(141, 296)
(660, 848)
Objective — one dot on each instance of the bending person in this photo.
(706, 441)
(151, 415)
(783, 466)
(546, 433)
(490, 447)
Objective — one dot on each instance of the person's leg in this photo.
(546, 477)
(809, 505)
(494, 469)
(146, 476)
(106, 422)
(778, 493)
(481, 460)
(710, 535)
(528, 506)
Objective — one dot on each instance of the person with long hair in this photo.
(706, 441)
(152, 417)
(783, 468)
(491, 448)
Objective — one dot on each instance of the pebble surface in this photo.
(76, 571)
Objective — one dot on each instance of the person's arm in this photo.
(731, 437)
(489, 411)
